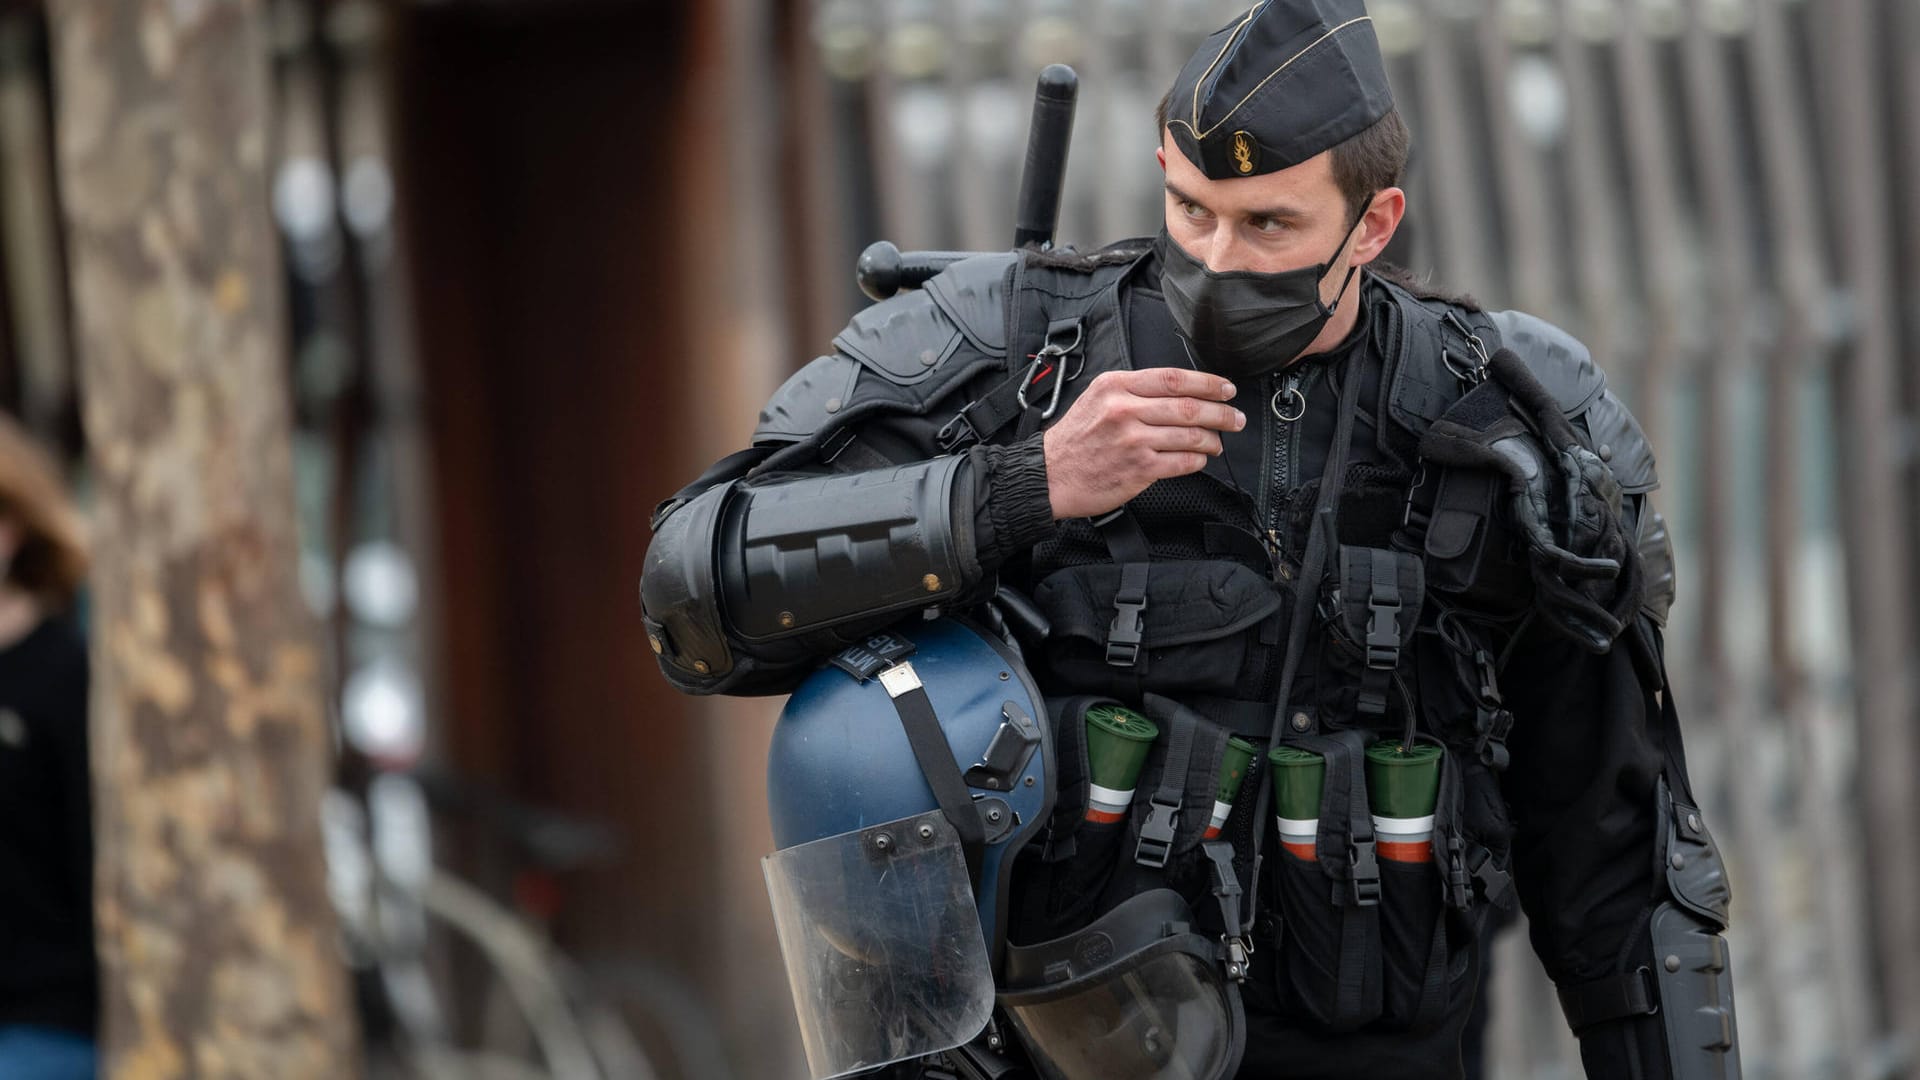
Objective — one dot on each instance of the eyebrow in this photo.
(1275, 213)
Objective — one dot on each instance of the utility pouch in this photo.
(1470, 554)
(1428, 924)
(1196, 621)
(1368, 941)
(1172, 805)
(1330, 949)
(1380, 594)
(1079, 855)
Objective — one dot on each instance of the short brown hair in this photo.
(52, 558)
(1366, 163)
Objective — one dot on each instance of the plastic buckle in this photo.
(1492, 726)
(1489, 680)
(957, 432)
(1493, 880)
(1383, 630)
(1363, 882)
(1457, 893)
(1123, 635)
(1156, 834)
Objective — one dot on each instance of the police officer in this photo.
(1247, 475)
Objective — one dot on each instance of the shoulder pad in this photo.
(808, 398)
(973, 293)
(906, 337)
(1558, 359)
(1615, 435)
(1566, 368)
(1656, 559)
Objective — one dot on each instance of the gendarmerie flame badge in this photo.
(1243, 152)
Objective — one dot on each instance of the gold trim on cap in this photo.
(1194, 126)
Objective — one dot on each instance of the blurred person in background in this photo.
(48, 983)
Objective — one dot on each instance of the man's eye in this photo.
(1268, 226)
(1192, 210)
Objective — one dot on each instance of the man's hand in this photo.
(1131, 428)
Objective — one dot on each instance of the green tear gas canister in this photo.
(1233, 771)
(1402, 785)
(1117, 743)
(1298, 776)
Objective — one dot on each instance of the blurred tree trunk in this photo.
(210, 745)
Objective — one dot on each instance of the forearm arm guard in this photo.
(744, 564)
(1672, 1015)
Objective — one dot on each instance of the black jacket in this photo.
(47, 965)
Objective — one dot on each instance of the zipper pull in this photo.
(1289, 403)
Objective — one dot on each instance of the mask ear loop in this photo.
(1351, 266)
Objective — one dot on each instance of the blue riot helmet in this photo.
(902, 779)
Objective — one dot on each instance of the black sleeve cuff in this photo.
(1012, 509)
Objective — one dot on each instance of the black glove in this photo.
(1564, 500)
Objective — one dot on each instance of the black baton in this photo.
(1045, 176)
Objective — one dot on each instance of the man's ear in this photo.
(1160, 155)
(1379, 223)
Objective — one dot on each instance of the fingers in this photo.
(1189, 412)
(1572, 567)
(1180, 463)
(1175, 382)
(1183, 440)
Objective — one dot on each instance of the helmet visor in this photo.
(882, 943)
(1162, 1013)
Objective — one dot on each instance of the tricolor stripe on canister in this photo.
(1117, 743)
(1298, 777)
(1105, 804)
(1233, 770)
(1403, 781)
(1299, 836)
(1408, 840)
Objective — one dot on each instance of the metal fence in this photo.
(1716, 195)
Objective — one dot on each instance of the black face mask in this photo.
(1244, 323)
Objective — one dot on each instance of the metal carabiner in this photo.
(1476, 374)
(1051, 351)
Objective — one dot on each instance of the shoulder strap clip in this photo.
(1063, 340)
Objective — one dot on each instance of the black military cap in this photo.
(1276, 86)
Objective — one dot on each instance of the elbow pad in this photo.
(758, 564)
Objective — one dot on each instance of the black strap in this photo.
(1039, 381)
(935, 756)
(1382, 642)
(1433, 993)
(726, 470)
(982, 418)
(1127, 543)
(1320, 536)
(1615, 997)
(1163, 809)
(845, 448)
(1347, 838)
(1227, 893)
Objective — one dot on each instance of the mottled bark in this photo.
(210, 744)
